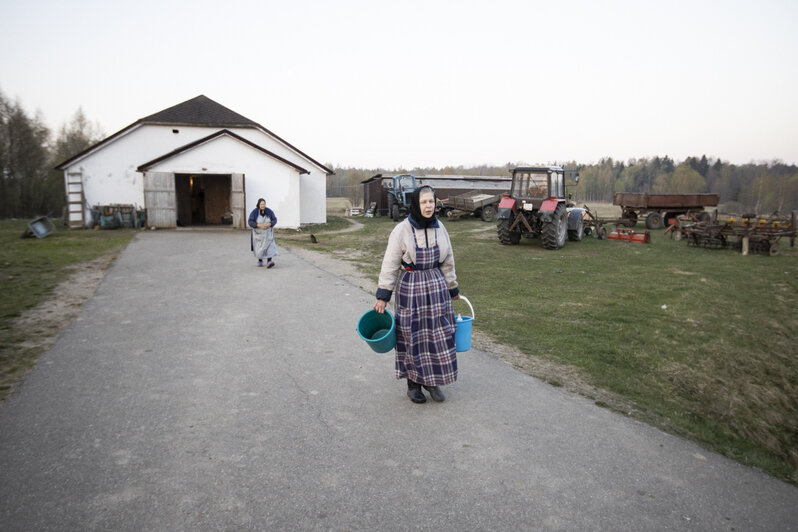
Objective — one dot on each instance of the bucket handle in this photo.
(469, 306)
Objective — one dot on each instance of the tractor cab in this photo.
(404, 185)
(538, 184)
(399, 195)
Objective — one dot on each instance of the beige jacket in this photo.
(401, 247)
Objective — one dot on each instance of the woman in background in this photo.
(262, 221)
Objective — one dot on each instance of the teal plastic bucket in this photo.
(378, 330)
(462, 337)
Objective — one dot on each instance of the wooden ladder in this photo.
(75, 201)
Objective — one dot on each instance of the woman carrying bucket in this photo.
(419, 254)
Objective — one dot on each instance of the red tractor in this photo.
(537, 206)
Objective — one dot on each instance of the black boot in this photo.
(436, 393)
(414, 392)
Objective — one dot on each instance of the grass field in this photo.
(703, 342)
(30, 269)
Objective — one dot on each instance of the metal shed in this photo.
(375, 188)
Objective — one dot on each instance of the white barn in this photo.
(194, 164)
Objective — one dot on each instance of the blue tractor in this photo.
(399, 195)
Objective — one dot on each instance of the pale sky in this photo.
(428, 83)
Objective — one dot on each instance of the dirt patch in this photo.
(338, 267)
(42, 324)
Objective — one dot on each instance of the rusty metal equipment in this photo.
(748, 233)
(593, 223)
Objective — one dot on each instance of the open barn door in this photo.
(237, 200)
(159, 199)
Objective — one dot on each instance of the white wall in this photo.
(110, 176)
(264, 176)
(313, 185)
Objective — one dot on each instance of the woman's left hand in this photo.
(456, 297)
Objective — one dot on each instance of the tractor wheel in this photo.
(506, 236)
(395, 212)
(552, 234)
(488, 213)
(575, 235)
(654, 221)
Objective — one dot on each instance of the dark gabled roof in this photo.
(146, 166)
(199, 111)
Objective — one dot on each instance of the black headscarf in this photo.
(262, 212)
(415, 207)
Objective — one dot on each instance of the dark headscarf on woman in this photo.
(262, 211)
(415, 207)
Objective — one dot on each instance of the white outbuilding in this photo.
(196, 163)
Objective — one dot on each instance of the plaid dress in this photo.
(425, 326)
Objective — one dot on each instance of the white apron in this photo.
(263, 240)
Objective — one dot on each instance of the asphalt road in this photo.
(198, 392)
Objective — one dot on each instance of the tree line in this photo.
(763, 187)
(29, 186)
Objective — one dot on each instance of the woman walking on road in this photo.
(419, 254)
(262, 221)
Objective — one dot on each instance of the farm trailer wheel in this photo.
(552, 234)
(506, 236)
(488, 213)
(654, 221)
(631, 217)
(395, 212)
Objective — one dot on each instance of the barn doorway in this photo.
(203, 199)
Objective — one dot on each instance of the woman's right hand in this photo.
(379, 306)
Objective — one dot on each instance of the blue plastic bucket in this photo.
(462, 337)
(378, 330)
